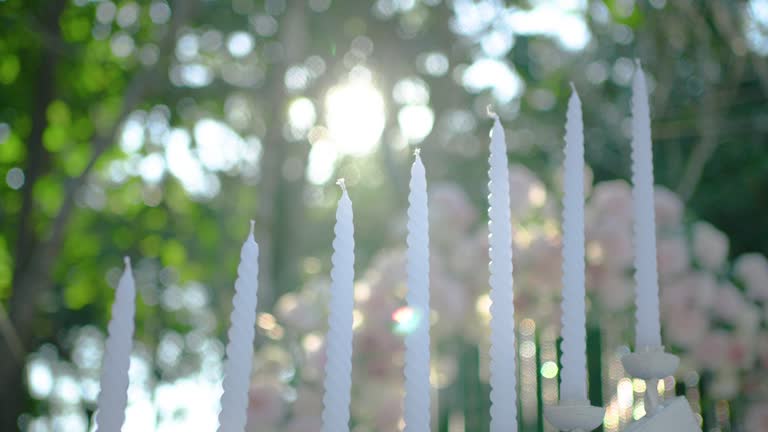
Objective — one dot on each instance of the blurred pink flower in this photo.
(673, 257)
(611, 201)
(614, 291)
(302, 310)
(756, 418)
(528, 192)
(693, 290)
(669, 207)
(540, 268)
(729, 303)
(710, 246)
(308, 403)
(752, 269)
(610, 245)
(265, 407)
(712, 352)
(450, 299)
(450, 211)
(304, 424)
(685, 327)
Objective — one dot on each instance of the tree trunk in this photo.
(26, 274)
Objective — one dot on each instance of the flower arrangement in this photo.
(713, 313)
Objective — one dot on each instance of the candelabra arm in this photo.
(574, 416)
(651, 365)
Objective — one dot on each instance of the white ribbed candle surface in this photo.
(648, 327)
(338, 366)
(503, 378)
(573, 385)
(113, 394)
(237, 367)
(417, 387)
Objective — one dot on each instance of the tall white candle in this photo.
(237, 368)
(113, 395)
(573, 386)
(503, 375)
(647, 330)
(417, 388)
(338, 366)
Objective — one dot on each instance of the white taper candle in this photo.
(417, 387)
(503, 375)
(648, 327)
(338, 366)
(573, 386)
(237, 367)
(113, 394)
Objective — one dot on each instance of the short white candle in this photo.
(237, 367)
(503, 375)
(573, 386)
(648, 327)
(338, 366)
(113, 396)
(417, 388)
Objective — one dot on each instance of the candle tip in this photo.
(127, 261)
(638, 63)
(573, 87)
(253, 227)
(491, 112)
(417, 152)
(342, 184)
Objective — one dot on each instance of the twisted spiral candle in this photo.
(648, 327)
(503, 378)
(113, 395)
(417, 389)
(338, 366)
(237, 368)
(573, 386)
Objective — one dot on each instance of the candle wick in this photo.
(638, 63)
(417, 152)
(127, 261)
(342, 184)
(573, 87)
(491, 112)
(253, 227)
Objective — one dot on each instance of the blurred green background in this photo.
(157, 129)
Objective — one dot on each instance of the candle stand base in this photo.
(650, 364)
(674, 415)
(574, 416)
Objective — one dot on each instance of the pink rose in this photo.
(712, 351)
(450, 300)
(615, 291)
(527, 191)
(752, 269)
(309, 402)
(301, 310)
(304, 424)
(610, 244)
(450, 211)
(669, 208)
(611, 201)
(756, 418)
(673, 257)
(696, 289)
(686, 327)
(265, 407)
(729, 303)
(710, 246)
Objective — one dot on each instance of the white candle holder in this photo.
(574, 416)
(651, 365)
